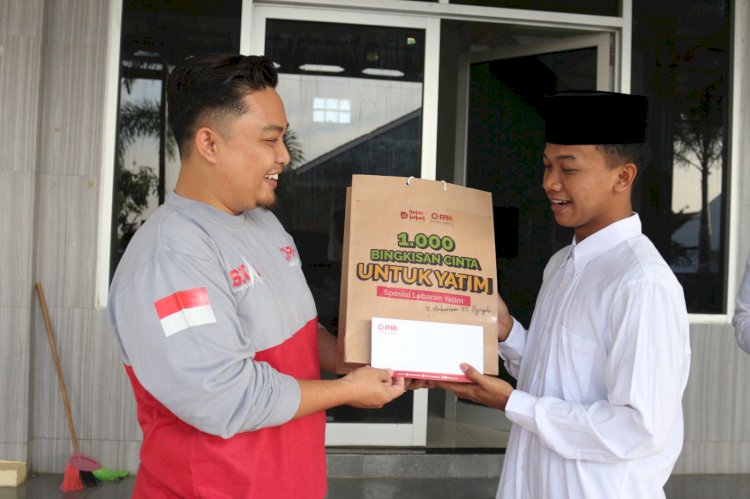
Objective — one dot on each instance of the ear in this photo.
(206, 141)
(626, 174)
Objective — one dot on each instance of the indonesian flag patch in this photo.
(184, 309)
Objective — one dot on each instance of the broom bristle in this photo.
(82, 462)
(71, 480)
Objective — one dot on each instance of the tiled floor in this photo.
(678, 487)
(442, 434)
(445, 434)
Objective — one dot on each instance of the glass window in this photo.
(503, 156)
(594, 7)
(353, 98)
(681, 58)
(156, 34)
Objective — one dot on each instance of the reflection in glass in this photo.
(685, 69)
(343, 123)
(156, 34)
(698, 150)
(138, 156)
(595, 7)
(506, 142)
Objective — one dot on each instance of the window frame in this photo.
(622, 26)
(109, 139)
(738, 120)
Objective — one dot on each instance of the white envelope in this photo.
(426, 350)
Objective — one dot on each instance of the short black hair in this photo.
(618, 154)
(213, 84)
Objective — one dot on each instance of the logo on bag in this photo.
(415, 215)
(441, 218)
(244, 276)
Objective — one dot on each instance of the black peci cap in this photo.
(593, 117)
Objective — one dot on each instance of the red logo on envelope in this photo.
(388, 328)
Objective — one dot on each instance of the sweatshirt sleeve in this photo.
(176, 321)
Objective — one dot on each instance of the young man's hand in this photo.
(486, 390)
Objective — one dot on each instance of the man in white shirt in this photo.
(601, 371)
(741, 319)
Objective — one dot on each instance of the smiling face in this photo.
(585, 192)
(250, 154)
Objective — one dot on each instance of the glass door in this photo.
(499, 148)
(360, 96)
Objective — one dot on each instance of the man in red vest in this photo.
(209, 304)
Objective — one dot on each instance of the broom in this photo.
(80, 471)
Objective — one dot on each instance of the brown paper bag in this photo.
(416, 249)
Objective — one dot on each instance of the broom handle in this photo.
(60, 379)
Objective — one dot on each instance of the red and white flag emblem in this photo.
(184, 309)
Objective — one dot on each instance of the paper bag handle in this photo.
(445, 185)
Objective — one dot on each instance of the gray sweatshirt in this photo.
(197, 294)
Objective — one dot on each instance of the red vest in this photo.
(286, 461)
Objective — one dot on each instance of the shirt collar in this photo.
(206, 210)
(604, 240)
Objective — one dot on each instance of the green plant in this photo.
(135, 186)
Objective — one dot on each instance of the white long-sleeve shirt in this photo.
(601, 371)
(741, 319)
